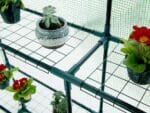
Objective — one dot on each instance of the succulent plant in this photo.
(59, 102)
(49, 19)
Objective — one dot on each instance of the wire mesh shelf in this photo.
(84, 35)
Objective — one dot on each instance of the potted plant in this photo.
(22, 89)
(5, 75)
(59, 103)
(137, 52)
(51, 30)
(10, 10)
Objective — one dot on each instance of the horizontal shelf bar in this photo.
(54, 90)
(2, 108)
(74, 80)
(94, 32)
(77, 66)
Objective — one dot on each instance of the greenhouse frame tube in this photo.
(76, 81)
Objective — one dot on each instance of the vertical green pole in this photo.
(106, 46)
(5, 57)
(68, 95)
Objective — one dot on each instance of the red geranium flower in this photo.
(23, 81)
(19, 84)
(141, 34)
(16, 85)
(2, 67)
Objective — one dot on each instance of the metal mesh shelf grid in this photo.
(21, 37)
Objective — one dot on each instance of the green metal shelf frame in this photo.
(69, 77)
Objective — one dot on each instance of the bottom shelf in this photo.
(117, 84)
(40, 102)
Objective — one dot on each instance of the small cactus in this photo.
(49, 18)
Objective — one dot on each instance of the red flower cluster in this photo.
(2, 68)
(19, 84)
(141, 34)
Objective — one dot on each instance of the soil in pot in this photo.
(139, 78)
(53, 26)
(12, 14)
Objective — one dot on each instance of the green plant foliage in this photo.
(8, 74)
(59, 102)
(137, 55)
(4, 4)
(132, 62)
(49, 18)
(28, 90)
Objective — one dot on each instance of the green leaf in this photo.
(144, 59)
(144, 52)
(29, 82)
(21, 4)
(29, 91)
(32, 89)
(14, 69)
(132, 62)
(55, 20)
(9, 73)
(16, 96)
(9, 88)
(125, 50)
(130, 47)
(47, 22)
(26, 90)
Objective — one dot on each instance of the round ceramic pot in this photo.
(12, 14)
(139, 78)
(4, 85)
(52, 38)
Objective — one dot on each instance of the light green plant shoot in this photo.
(49, 17)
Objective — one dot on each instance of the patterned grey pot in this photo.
(52, 38)
(139, 78)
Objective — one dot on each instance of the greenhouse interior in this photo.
(75, 56)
